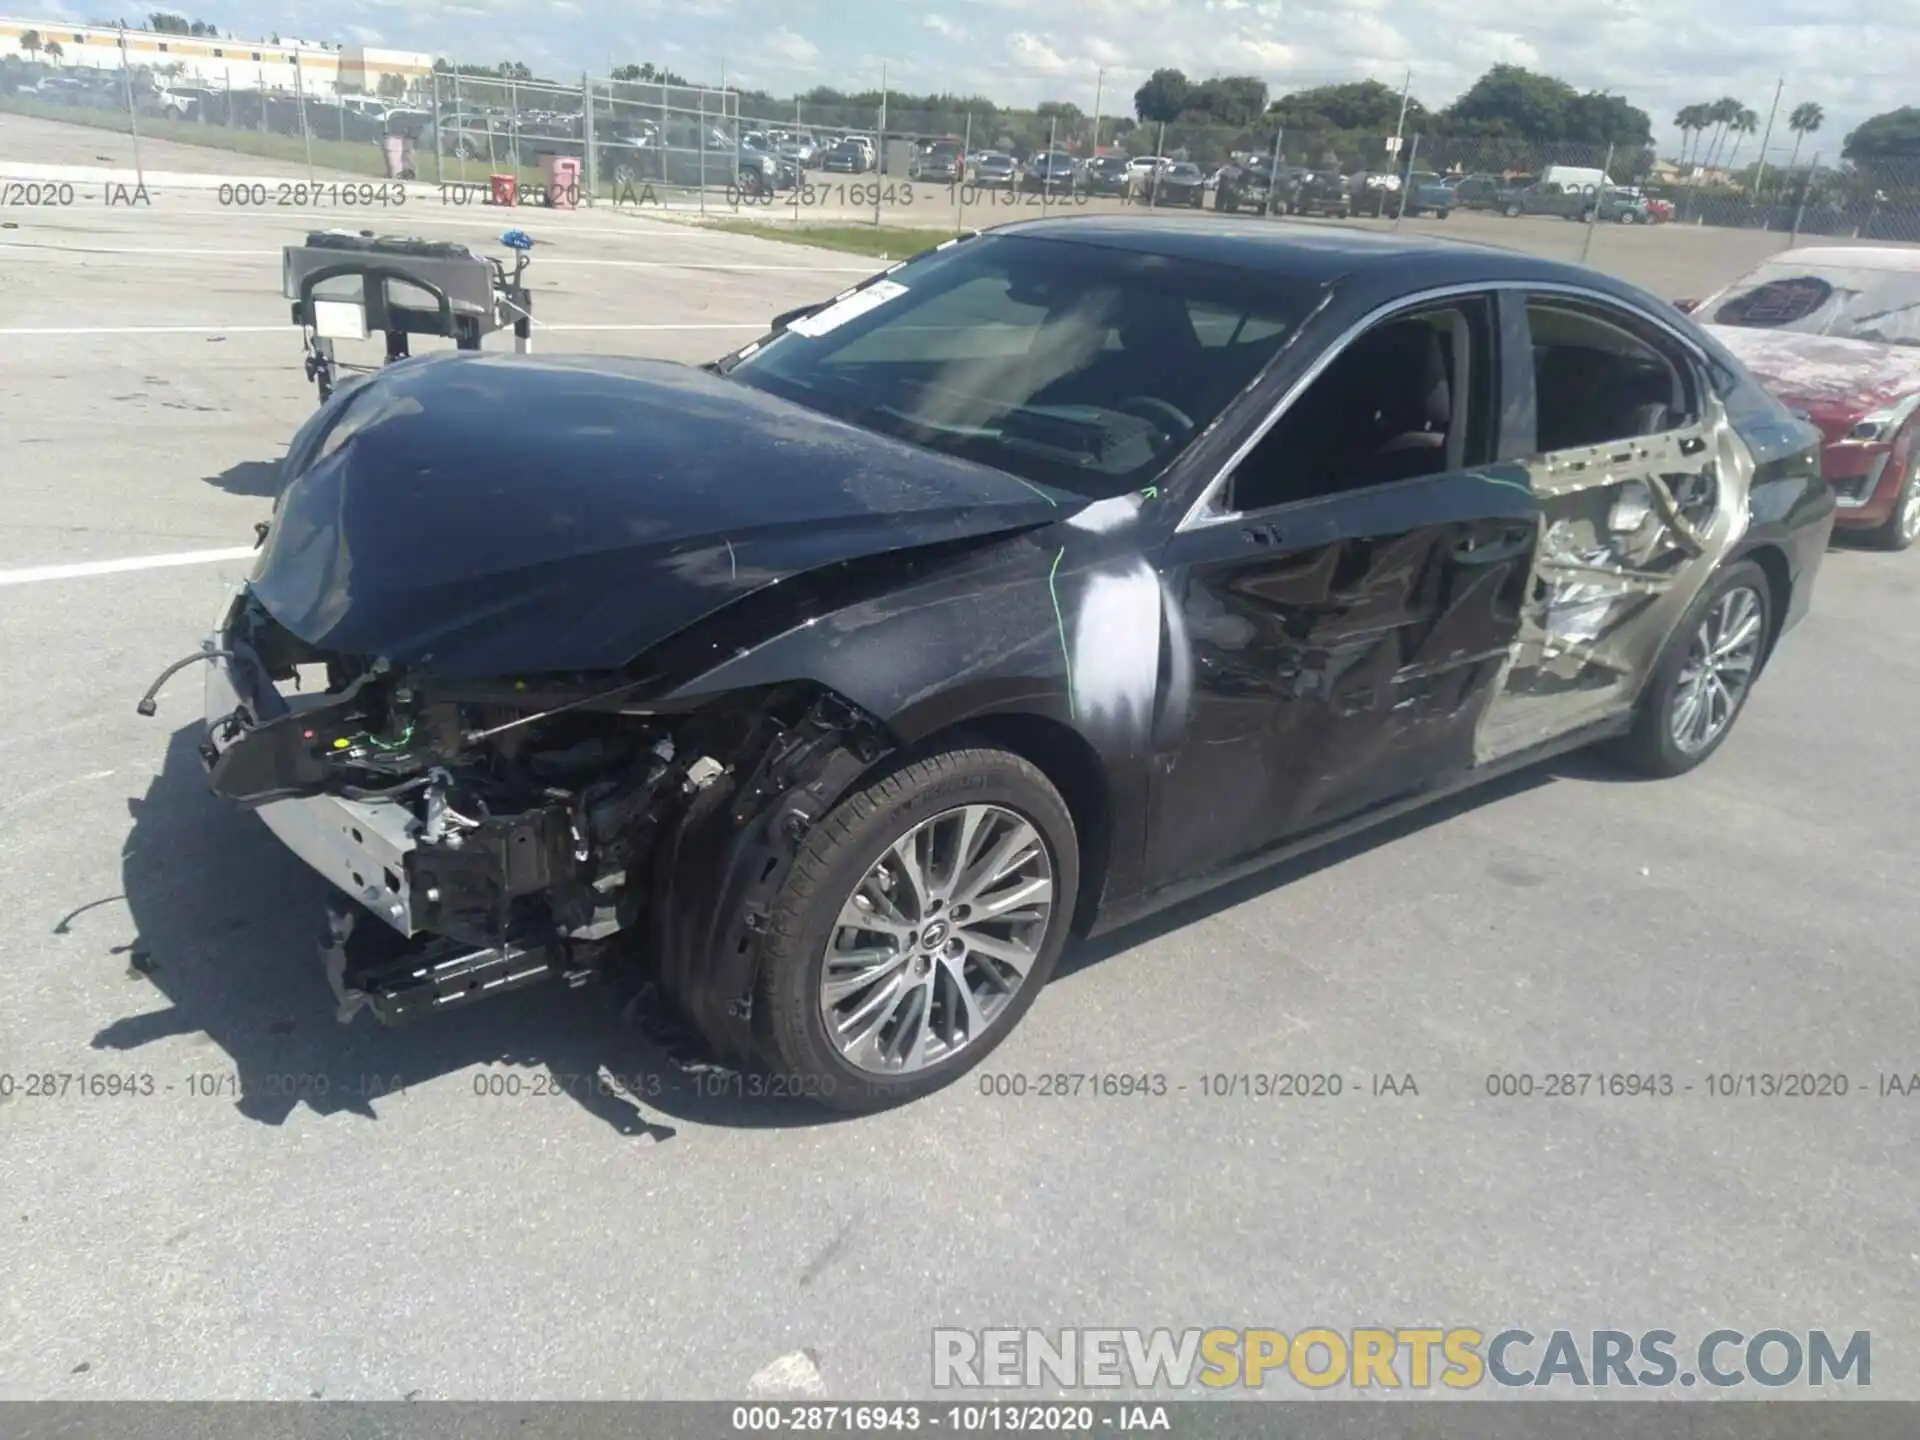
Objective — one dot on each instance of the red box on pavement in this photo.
(506, 189)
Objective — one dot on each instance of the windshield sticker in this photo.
(851, 308)
(1779, 302)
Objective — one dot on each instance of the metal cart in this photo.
(349, 285)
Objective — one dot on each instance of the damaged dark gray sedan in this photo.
(1055, 575)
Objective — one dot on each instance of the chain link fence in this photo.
(879, 161)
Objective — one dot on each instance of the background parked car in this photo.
(852, 156)
(1049, 172)
(1374, 193)
(1104, 175)
(1835, 333)
(994, 170)
(944, 162)
(1574, 202)
(1625, 207)
(1323, 192)
(1252, 187)
(1491, 192)
(1427, 194)
(1181, 183)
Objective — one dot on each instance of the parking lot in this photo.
(286, 1207)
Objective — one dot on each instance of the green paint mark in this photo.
(1152, 492)
(1060, 625)
(399, 744)
(1521, 486)
(1041, 493)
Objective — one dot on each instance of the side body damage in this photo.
(606, 719)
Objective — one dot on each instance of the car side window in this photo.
(1600, 377)
(1414, 396)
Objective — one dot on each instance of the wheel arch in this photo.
(1062, 754)
(1074, 768)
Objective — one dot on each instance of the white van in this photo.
(1575, 178)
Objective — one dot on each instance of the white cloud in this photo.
(1033, 53)
(943, 27)
(789, 45)
(363, 35)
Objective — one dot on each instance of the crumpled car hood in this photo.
(473, 516)
(1821, 374)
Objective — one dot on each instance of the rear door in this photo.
(1638, 503)
(1351, 597)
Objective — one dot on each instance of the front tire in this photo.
(921, 919)
(1703, 678)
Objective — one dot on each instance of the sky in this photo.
(1854, 57)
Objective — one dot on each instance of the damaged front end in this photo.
(520, 830)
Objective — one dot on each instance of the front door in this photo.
(1351, 609)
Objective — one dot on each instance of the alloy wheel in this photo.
(936, 939)
(1909, 521)
(1719, 668)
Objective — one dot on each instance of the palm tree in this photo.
(1741, 126)
(1805, 120)
(30, 42)
(52, 51)
(1690, 122)
(1702, 121)
(1722, 113)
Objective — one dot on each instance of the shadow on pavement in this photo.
(249, 477)
(229, 925)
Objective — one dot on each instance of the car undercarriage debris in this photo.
(508, 834)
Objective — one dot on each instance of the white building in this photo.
(220, 63)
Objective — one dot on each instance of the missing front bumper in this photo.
(360, 848)
(400, 980)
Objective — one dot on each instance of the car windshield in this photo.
(1066, 364)
(1843, 302)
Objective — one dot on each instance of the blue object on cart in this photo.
(517, 240)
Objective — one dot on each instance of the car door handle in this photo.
(1263, 534)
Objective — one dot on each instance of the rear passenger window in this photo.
(1600, 379)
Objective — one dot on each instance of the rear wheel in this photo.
(921, 919)
(1512, 212)
(1701, 682)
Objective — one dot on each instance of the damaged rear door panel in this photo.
(1643, 489)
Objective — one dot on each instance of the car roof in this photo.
(1315, 253)
(1856, 257)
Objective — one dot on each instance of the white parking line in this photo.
(88, 568)
(23, 330)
